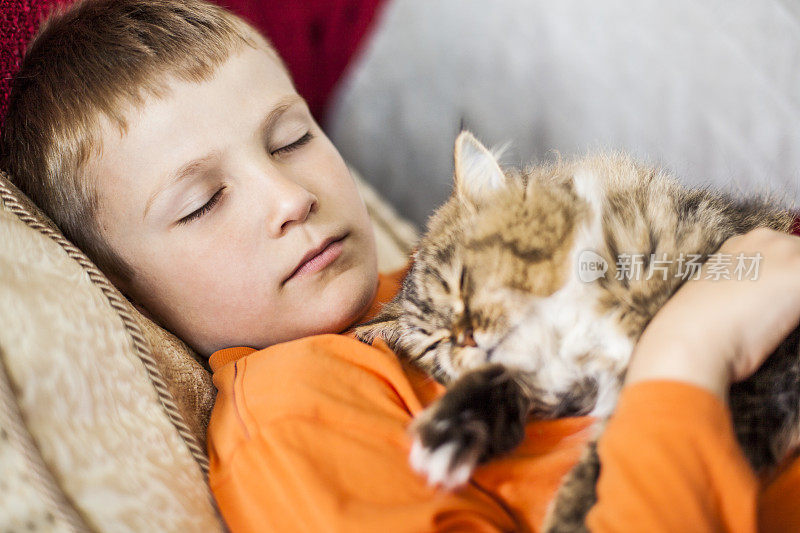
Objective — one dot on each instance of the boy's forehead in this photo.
(242, 60)
(187, 169)
(164, 133)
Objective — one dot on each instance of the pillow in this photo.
(92, 433)
(394, 235)
(711, 91)
(103, 413)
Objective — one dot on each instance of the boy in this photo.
(166, 139)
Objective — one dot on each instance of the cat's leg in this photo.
(481, 415)
(766, 407)
(577, 494)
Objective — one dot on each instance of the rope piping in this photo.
(140, 345)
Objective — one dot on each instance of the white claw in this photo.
(418, 457)
(439, 465)
(459, 475)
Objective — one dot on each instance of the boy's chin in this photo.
(348, 300)
(318, 308)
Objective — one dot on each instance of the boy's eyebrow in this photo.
(265, 128)
(268, 124)
(185, 171)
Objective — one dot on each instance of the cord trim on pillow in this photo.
(120, 305)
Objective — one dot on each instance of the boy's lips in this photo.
(318, 257)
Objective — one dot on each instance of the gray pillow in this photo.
(709, 89)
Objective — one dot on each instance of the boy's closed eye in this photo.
(217, 196)
(208, 206)
(305, 139)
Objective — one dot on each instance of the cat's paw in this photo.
(481, 416)
(447, 451)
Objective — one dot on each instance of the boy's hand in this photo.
(715, 332)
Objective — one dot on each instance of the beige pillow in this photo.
(102, 412)
(97, 433)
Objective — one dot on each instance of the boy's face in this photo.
(275, 191)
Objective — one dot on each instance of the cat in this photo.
(517, 300)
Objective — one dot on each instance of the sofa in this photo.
(103, 412)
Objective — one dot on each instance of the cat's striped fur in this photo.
(494, 308)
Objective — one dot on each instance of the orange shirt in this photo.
(310, 436)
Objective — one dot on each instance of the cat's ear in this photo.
(476, 169)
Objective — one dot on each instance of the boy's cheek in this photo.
(235, 305)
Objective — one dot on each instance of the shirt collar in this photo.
(222, 357)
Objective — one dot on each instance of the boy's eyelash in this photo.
(203, 210)
(305, 139)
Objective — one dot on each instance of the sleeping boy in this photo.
(166, 139)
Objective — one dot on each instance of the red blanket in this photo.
(18, 22)
(316, 38)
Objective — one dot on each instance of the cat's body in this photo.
(495, 306)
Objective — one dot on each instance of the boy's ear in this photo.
(476, 169)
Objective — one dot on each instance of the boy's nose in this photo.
(293, 204)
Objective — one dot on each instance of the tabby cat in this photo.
(498, 306)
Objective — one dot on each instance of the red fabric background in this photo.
(316, 38)
(18, 22)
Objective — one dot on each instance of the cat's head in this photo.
(493, 257)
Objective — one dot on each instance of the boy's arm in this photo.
(669, 458)
(778, 508)
(670, 462)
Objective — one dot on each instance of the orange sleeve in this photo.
(311, 436)
(779, 504)
(670, 462)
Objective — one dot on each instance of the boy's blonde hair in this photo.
(96, 59)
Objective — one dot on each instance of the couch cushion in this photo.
(103, 412)
(90, 391)
(709, 90)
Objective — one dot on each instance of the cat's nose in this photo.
(465, 338)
